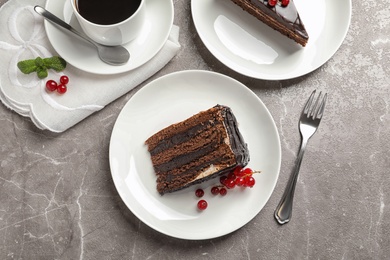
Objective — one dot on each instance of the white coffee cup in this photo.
(117, 33)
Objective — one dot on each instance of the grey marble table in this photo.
(58, 201)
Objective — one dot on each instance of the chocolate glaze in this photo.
(287, 14)
(284, 19)
(238, 145)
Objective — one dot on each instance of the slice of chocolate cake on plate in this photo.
(197, 149)
(281, 15)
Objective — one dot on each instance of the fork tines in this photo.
(317, 110)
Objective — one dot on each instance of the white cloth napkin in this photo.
(22, 36)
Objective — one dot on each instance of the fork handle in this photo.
(284, 210)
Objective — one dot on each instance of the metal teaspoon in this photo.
(113, 55)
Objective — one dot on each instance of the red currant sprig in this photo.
(284, 3)
(61, 88)
(241, 177)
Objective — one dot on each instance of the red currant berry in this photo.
(247, 171)
(223, 180)
(230, 183)
(222, 191)
(285, 2)
(61, 88)
(231, 176)
(241, 173)
(237, 171)
(202, 204)
(215, 190)
(240, 181)
(250, 181)
(51, 85)
(272, 2)
(199, 193)
(64, 79)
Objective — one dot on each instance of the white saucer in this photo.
(159, 20)
(251, 48)
(170, 99)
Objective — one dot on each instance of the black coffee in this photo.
(107, 11)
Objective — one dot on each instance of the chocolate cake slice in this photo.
(280, 15)
(197, 149)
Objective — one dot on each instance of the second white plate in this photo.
(82, 55)
(251, 48)
(168, 100)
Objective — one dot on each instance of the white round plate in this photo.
(82, 55)
(251, 48)
(173, 98)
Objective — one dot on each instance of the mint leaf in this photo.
(56, 63)
(27, 66)
(42, 73)
(42, 65)
(39, 63)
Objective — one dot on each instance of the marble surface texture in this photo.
(58, 200)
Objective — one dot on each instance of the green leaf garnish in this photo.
(27, 66)
(39, 62)
(56, 63)
(41, 66)
(42, 73)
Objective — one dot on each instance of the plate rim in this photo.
(105, 69)
(183, 74)
(265, 76)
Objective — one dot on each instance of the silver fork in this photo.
(308, 124)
